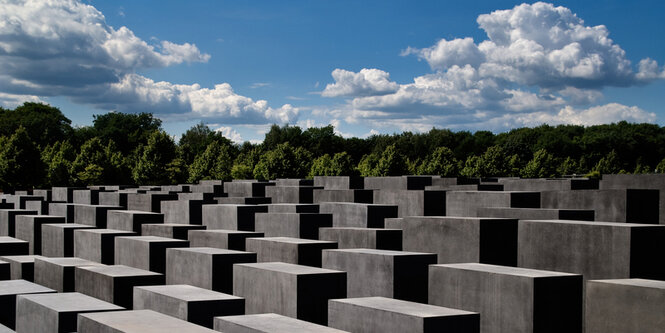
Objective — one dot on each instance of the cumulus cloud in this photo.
(364, 83)
(66, 48)
(229, 133)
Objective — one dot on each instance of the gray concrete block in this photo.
(358, 215)
(367, 238)
(58, 239)
(510, 299)
(231, 217)
(268, 323)
(97, 245)
(8, 220)
(624, 305)
(57, 313)
(94, 215)
(10, 246)
(221, 239)
(22, 267)
(398, 182)
(467, 203)
(131, 220)
(64, 194)
(145, 252)
(294, 182)
(87, 196)
(243, 200)
(204, 197)
(461, 239)
(250, 188)
(182, 211)
(46, 194)
(395, 274)
(292, 208)
(296, 225)
(180, 188)
(148, 202)
(287, 289)
(113, 199)
(214, 189)
(339, 182)
(136, 321)
(598, 250)
(538, 213)
(5, 329)
(41, 206)
(63, 209)
(169, 230)
(357, 196)
(289, 250)
(8, 291)
(291, 194)
(58, 273)
(195, 305)
(19, 200)
(413, 203)
(644, 181)
(114, 284)
(29, 228)
(557, 184)
(380, 314)
(204, 267)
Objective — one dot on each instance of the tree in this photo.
(43, 123)
(608, 164)
(660, 168)
(243, 166)
(277, 163)
(342, 165)
(153, 163)
(367, 167)
(568, 166)
(391, 163)
(214, 163)
(441, 162)
(58, 159)
(97, 164)
(322, 166)
(541, 165)
(21, 165)
(127, 130)
(472, 167)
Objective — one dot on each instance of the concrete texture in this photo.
(510, 299)
(58, 239)
(243, 200)
(115, 283)
(291, 194)
(294, 182)
(357, 196)
(538, 213)
(22, 267)
(467, 203)
(215, 189)
(148, 202)
(231, 217)
(413, 203)
(41, 206)
(221, 239)
(8, 220)
(292, 208)
(268, 323)
(8, 291)
(289, 250)
(204, 267)
(204, 197)
(598, 250)
(394, 274)
(287, 289)
(358, 215)
(169, 230)
(339, 182)
(145, 252)
(624, 305)
(296, 225)
(113, 199)
(182, 211)
(97, 245)
(369, 238)
(251, 188)
(646, 181)
(88, 196)
(58, 273)
(460, 239)
(138, 321)
(57, 313)
(540, 184)
(63, 209)
(131, 220)
(94, 215)
(195, 305)
(10, 246)
(398, 182)
(380, 314)
(29, 228)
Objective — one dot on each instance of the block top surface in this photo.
(22, 259)
(7, 239)
(19, 211)
(99, 206)
(152, 239)
(71, 302)
(60, 219)
(597, 223)
(359, 229)
(15, 287)
(118, 270)
(404, 307)
(188, 293)
(207, 250)
(133, 212)
(274, 323)
(68, 261)
(69, 225)
(173, 225)
(654, 284)
(505, 270)
(380, 252)
(143, 321)
(289, 268)
(226, 231)
(292, 240)
(108, 231)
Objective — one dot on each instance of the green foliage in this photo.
(214, 163)
(153, 164)
(43, 123)
(58, 159)
(322, 166)
(514, 165)
(339, 165)
(97, 164)
(568, 166)
(608, 164)
(391, 163)
(367, 167)
(242, 171)
(441, 162)
(472, 167)
(196, 140)
(21, 165)
(542, 165)
(127, 130)
(282, 162)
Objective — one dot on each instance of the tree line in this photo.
(40, 148)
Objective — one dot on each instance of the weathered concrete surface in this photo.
(169, 230)
(368, 238)
(131, 220)
(541, 184)
(58, 239)
(8, 291)
(137, 321)
(294, 182)
(460, 239)
(41, 206)
(63, 209)
(291, 194)
(597, 250)
(10, 246)
(380, 314)
(243, 200)
(647, 181)
(467, 203)
(268, 323)
(97, 245)
(394, 274)
(358, 215)
(29, 228)
(289, 250)
(624, 305)
(246, 188)
(115, 283)
(398, 182)
(87, 196)
(64, 194)
(231, 217)
(145, 252)
(204, 267)
(22, 267)
(94, 215)
(510, 299)
(182, 211)
(287, 289)
(221, 239)
(58, 273)
(113, 199)
(195, 305)
(413, 203)
(8, 220)
(538, 213)
(292, 208)
(357, 196)
(43, 313)
(339, 182)
(148, 202)
(296, 225)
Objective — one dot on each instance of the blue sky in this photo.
(364, 66)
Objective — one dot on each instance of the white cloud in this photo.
(12, 101)
(229, 133)
(445, 54)
(364, 83)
